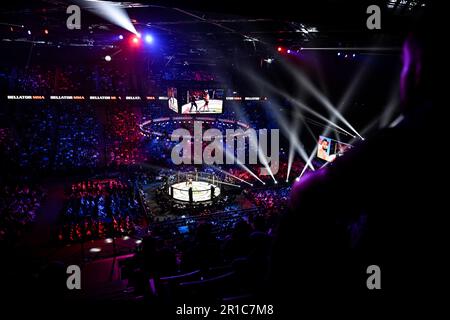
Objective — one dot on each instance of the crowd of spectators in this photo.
(188, 74)
(70, 79)
(231, 246)
(19, 205)
(53, 136)
(78, 138)
(36, 132)
(269, 198)
(123, 137)
(99, 208)
(210, 240)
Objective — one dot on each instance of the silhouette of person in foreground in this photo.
(321, 256)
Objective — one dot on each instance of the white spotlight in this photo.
(108, 58)
(111, 11)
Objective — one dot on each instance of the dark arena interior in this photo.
(217, 160)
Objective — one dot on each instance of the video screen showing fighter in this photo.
(172, 99)
(329, 149)
(207, 101)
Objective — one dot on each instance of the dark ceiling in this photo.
(213, 29)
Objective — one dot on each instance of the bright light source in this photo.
(29, 32)
(93, 250)
(121, 37)
(339, 54)
(46, 31)
(111, 11)
(108, 58)
(109, 240)
(279, 49)
(138, 241)
(354, 55)
(148, 38)
(135, 40)
(289, 51)
(126, 237)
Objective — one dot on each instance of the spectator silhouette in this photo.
(204, 251)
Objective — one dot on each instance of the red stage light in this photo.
(280, 49)
(135, 40)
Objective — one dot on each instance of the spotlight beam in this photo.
(316, 93)
(231, 175)
(262, 158)
(390, 108)
(296, 130)
(324, 100)
(397, 121)
(349, 92)
(295, 101)
(110, 11)
(284, 123)
(341, 106)
(290, 160)
(287, 130)
(240, 164)
(223, 182)
(367, 129)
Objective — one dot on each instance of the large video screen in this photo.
(207, 101)
(329, 149)
(172, 99)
